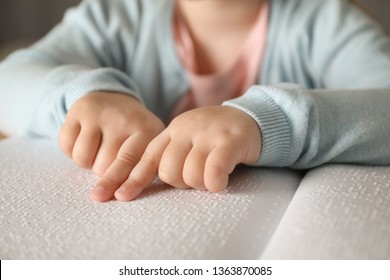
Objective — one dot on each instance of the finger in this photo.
(219, 165)
(172, 162)
(145, 171)
(108, 152)
(86, 146)
(193, 171)
(118, 172)
(68, 136)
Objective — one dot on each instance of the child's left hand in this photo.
(199, 150)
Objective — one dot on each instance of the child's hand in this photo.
(199, 149)
(101, 124)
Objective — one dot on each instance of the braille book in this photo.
(331, 212)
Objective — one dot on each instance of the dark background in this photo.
(31, 19)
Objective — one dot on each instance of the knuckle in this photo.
(148, 159)
(178, 127)
(155, 126)
(76, 111)
(115, 117)
(128, 158)
(146, 124)
(108, 180)
(135, 182)
(227, 139)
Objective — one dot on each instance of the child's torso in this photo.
(218, 72)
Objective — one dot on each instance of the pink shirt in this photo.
(213, 89)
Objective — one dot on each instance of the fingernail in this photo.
(120, 191)
(99, 193)
(123, 194)
(99, 189)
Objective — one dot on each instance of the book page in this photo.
(338, 212)
(46, 213)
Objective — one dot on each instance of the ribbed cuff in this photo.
(104, 79)
(274, 127)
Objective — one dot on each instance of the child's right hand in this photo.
(100, 123)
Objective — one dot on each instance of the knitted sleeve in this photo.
(86, 52)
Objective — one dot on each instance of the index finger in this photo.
(128, 156)
(145, 171)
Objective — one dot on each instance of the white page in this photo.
(45, 212)
(338, 212)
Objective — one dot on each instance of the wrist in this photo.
(272, 122)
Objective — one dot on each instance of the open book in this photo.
(332, 212)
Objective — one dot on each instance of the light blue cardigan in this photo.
(323, 93)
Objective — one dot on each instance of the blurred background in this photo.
(29, 19)
(23, 21)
